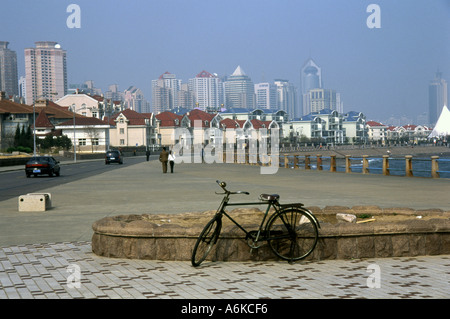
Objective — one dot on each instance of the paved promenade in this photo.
(37, 250)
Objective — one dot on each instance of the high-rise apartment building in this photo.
(134, 99)
(437, 97)
(45, 72)
(266, 96)
(8, 70)
(165, 93)
(113, 93)
(239, 90)
(287, 98)
(320, 99)
(207, 90)
(186, 97)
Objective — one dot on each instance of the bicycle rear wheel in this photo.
(292, 234)
(208, 237)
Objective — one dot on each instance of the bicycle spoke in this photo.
(292, 234)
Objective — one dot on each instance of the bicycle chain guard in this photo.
(251, 237)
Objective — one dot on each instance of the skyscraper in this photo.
(311, 78)
(287, 98)
(239, 90)
(8, 70)
(266, 95)
(207, 90)
(437, 97)
(165, 93)
(45, 72)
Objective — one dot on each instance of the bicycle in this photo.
(291, 230)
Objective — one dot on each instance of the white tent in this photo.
(442, 127)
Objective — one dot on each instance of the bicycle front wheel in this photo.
(292, 234)
(208, 237)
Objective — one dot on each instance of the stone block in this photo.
(35, 202)
(350, 218)
(417, 244)
(400, 245)
(347, 248)
(366, 247)
(383, 246)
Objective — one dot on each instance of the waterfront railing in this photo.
(409, 166)
(433, 167)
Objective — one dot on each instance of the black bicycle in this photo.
(291, 230)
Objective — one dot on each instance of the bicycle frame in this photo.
(225, 203)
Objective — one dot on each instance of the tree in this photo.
(29, 138)
(47, 142)
(23, 138)
(17, 136)
(63, 142)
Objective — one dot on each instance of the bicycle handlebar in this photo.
(223, 185)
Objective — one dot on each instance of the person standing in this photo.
(163, 158)
(147, 154)
(171, 160)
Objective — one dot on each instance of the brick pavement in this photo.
(41, 271)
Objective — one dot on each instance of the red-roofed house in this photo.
(412, 133)
(130, 128)
(376, 131)
(167, 123)
(43, 125)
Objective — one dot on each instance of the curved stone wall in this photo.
(172, 237)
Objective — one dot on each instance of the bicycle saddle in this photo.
(269, 197)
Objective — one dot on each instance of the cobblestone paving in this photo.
(45, 271)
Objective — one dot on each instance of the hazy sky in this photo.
(379, 71)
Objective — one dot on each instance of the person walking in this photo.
(163, 158)
(147, 154)
(171, 160)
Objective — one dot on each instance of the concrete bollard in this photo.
(35, 202)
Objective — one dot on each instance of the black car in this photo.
(113, 157)
(38, 165)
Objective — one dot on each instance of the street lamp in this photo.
(74, 144)
(34, 129)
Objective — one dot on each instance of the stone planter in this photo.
(172, 237)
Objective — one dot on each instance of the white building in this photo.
(88, 134)
(90, 106)
(321, 99)
(324, 127)
(287, 98)
(207, 91)
(165, 92)
(266, 96)
(354, 126)
(82, 104)
(239, 90)
(377, 132)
